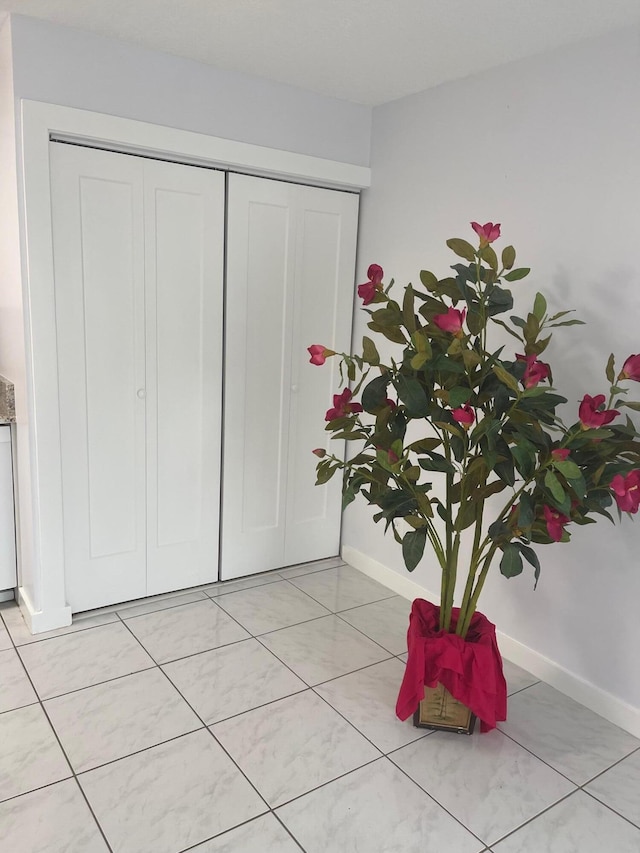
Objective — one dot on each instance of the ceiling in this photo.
(367, 51)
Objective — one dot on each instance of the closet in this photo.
(139, 263)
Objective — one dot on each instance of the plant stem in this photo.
(473, 603)
(476, 553)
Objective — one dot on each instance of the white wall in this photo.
(65, 66)
(550, 147)
(12, 351)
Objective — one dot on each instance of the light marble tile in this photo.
(565, 734)
(374, 810)
(293, 745)
(232, 679)
(80, 660)
(15, 687)
(367, 698)
(578, 824)
(5, 639)
(323, 649)
(309, 568)
(170, 797)
(30, 755)
(517, 678)
(225, 587)
(271, 606)
(187, 630)
(262, 835)
(488, 782)
(404, 658)
(22, 636)
(163, 603)
(55, 819)
(342, 588)
(385, 622)
(114, 719)
(620, 788)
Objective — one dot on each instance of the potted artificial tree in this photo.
(512, 474)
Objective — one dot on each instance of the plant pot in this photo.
(440, 711)
(449, 680)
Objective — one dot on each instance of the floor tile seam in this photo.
(360, 606)
(522, 689)
(206, 598)
(221, 593)
(535, 817)
(615, 764)
(531, 752)
(431, 797)
(151, 666)
(66, 758)
(344, 609)
(302, 689)
(275, 809)
(611, 808)
(364, 634)
(271, 630)
(36, 641)
(36, 701)
(348, 721)
(208, 729)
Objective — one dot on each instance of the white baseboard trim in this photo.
(606, 704)
(38, 621)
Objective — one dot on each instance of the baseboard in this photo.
(606, 704)
(39, 621)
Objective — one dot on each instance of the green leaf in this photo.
(462, 248)
(374, 394)
(506, 378)
(500, 300)
(408, 310)
(413, 547)
(532, 558)
(609, 370)
(369, 351)
(511, 562)
(516, 275)
(419, 360)
(421, 342)
(568, 323)
(392, 333)
(504, 326)
(553, 484)
(539, 307)
(525, 459)
(526, 511)
(429, 280)
(413, 395)
(488, 255)
(508, 257)
(630, 404)
(466, 515)
(568, 469)
(459, 395)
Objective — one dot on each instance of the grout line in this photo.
(615, 764)
(535, 817)
(611, 809)
(66, 757)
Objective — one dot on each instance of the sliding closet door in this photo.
(260, 268)
(290, 276)
(98, 241)
(184, 243)
(323, 308)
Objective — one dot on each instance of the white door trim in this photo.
(44, 604)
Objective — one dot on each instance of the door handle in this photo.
(141, 393)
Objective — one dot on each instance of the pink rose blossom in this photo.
(555, 522)
(560, 453)
(452, 321)
(487, 232)
(319, 353)
(626, 491)
(631, 368)
(342, 406)
(535, 371)
(320, 452)
(375, 273)
(591, 417)
(368, 290)
(464, 415)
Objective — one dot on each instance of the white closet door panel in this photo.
(184, 224)
(260, 262)
(325, 262)
(99, 281)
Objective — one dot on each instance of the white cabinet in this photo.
(290, 273)
(138, 256)
(7, 520)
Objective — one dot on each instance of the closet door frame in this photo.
(41, 590)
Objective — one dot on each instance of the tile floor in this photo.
(257, 717)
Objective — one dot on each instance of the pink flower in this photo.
(590, 417)
(560, 453)
(319, 353)
(631, 368)
(535, 370)
(320, 452)
(368, 290)
(451, 321)
(391, 404)
(342, 406)
(375, 273)
(464, 416)
(626, 491)
(487, 232)
(555, 522)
